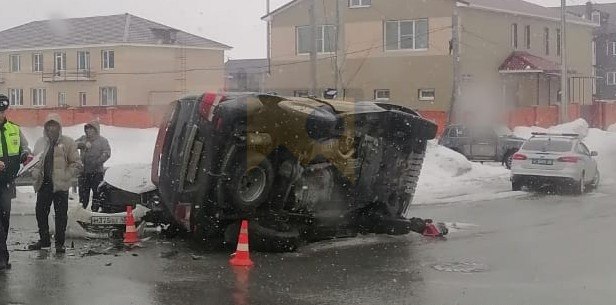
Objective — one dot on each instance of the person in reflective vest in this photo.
(13, 152)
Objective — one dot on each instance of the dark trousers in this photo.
(5, 215)
(90, 182)
(44, 198)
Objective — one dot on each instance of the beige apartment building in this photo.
(105, 61)
(401, 51)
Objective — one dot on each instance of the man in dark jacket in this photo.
(13, 151)
(95, 151)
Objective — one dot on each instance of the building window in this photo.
(360, 3)
(596, 17)
(82, 99)
(16, 97)
(514, 35)
(613, 48)
(326, 39)
(611, 78)
(108, 59)
(83, 60)
(406, 35)
(527, 36)
(39, 97)
(558, 46)
(60, 61)
(426, 94)
(109, 96)
(381, 94)
(546, 40)
(15, 63)
(301, 93)
(37, 62)
(61, 99)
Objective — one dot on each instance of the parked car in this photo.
(562, 159)
(482, 143)
(300, 169)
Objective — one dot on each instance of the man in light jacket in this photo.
(59, 164)
(95, 151)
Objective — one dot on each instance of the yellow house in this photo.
(400, 50)
(105, 61)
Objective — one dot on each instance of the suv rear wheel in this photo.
(251, 181)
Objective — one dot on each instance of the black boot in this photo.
(39, 245)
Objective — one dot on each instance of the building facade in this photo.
(401, 51)
(105, 61)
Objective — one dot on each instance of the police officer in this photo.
(13, 151)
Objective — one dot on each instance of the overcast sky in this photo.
(233, 22)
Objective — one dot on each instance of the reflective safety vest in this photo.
(13, 141)
(10, 146)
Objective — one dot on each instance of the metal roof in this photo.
(99, 30)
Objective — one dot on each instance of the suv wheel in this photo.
(251, 181)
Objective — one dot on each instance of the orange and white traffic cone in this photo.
(130, 236)
(241, 257)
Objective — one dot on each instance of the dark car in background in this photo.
(300, 169)
(482, 143)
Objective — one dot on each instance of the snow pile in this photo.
(579, 126)
(447, 176)
(128, 145)
(612, 128)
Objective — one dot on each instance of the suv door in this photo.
(484, 143)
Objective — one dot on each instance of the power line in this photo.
(219, 68)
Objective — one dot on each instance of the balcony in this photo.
(69, 76)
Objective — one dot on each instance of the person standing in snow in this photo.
(13, 151)
(95, 151)
(59, 164)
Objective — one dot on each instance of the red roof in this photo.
(520, 61)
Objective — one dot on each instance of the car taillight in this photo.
(208, 104)
(568, 159)
(519, 157)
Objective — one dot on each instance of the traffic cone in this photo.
(130, 237)
(241, 257)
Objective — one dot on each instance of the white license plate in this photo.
(108, 220)
(543, 162)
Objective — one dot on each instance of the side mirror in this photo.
(594, 154)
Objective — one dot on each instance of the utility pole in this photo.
(564, 78)
(269, 38)
(313, 48)
(339, 47)
(455, 50)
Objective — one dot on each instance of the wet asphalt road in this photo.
(535, 249)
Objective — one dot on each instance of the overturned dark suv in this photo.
(300, 169)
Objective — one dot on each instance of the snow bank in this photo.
(612, 128)
(579, 126)
(447, 176)
(128, 145)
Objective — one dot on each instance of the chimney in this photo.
(588, 10)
